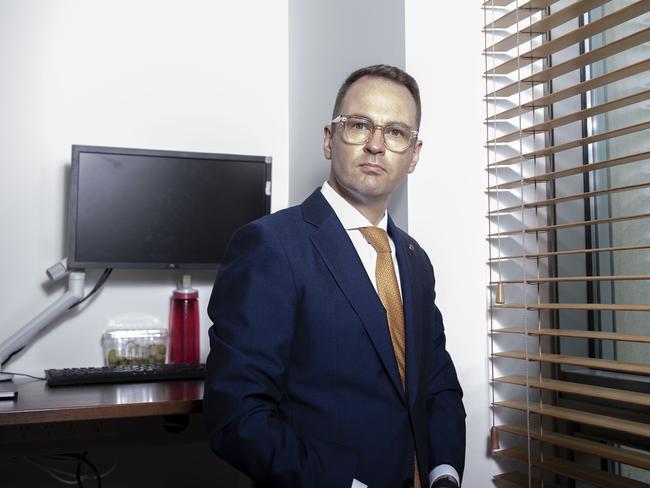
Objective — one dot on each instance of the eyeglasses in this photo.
(359, 130)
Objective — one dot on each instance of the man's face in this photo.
(367, 174)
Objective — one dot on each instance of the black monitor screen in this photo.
(136, 208)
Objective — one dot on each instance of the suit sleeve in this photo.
(253, 309)
(445, 411)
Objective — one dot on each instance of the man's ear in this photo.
(327, 141)
(416, 155)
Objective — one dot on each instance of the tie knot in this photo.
(377, 238)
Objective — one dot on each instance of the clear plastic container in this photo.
(134, 346)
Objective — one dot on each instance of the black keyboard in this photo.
(123, 374)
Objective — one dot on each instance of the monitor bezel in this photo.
(77, 150)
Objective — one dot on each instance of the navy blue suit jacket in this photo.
(302, 388)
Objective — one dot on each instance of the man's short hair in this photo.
(387, 72)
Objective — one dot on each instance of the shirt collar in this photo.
(349, 216)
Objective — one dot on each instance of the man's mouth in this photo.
(369, 167)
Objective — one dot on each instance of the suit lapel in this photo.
(406, 260)
(340, 256)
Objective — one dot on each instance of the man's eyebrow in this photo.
(390, 122)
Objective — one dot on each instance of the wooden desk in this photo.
(38, 403)
(155, 430)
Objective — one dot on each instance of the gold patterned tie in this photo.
(389, 294)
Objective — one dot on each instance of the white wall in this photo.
(196, 75)
(447, 204)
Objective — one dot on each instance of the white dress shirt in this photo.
(352, 220)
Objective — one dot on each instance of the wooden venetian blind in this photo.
(568, 165)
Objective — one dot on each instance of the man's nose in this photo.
(375, 142)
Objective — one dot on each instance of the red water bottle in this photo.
(184, 324)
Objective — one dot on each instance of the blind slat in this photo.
(624, 456)
(567, 279)
(545, 75)
(574, 117)
(601, 364)
(603, 307)
(632, 397)
(571, 251)
(581, 33)
(585, 334)
(590, 84)
(545, 24)
(568, 198)
(575, 170)
(518, 14)
(519, 479)
(574, 471)
(575, 143)
(497, 3)
(587, 418)
(546, 228)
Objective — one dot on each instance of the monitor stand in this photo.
(23, 336)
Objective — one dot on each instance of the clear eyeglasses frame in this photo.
(358, 130)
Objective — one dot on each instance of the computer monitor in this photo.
(141, 208)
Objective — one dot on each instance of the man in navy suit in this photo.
(303, 385)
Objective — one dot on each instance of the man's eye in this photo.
(358, 125)
(396, 132)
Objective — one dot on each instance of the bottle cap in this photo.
(185, 289)
(187, 281)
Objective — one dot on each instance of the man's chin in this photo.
(372, 193)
